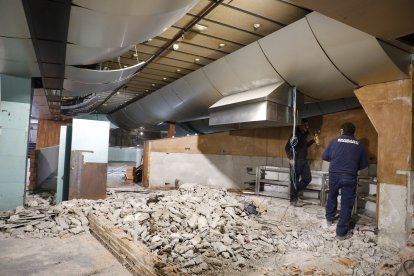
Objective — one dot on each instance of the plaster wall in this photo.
(394, 211)
(389, 107)
(224, 171)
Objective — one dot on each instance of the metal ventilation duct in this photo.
(262, 107)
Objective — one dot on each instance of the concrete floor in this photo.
(76, 255)
(116, 174)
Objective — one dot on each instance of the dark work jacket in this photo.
(346, 155)
(301, 148)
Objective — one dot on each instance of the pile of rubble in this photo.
(201, 229)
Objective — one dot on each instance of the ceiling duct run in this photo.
(262, 107)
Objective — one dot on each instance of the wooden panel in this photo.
(48, 133)
(271, 141)
(146, 161)
(86, 180)
(389, 106)
(330, 124)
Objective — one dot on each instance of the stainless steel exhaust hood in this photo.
(262, 107)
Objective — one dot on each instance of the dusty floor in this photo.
(76, 255)
(116, 174)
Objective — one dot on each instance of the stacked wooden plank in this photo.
(135, 255)
(33, 169)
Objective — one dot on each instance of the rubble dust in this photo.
(206, 230)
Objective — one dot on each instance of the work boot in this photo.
(296, 203)
(300, 195)
(329, 223)
(342, 238)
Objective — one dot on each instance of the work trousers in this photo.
(302, 176)
(348, 185)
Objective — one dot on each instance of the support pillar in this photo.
(389, 107)
(171, 130)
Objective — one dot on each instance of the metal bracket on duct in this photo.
(262, 107)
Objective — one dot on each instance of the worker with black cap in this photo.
(346, 156)
(297, 151)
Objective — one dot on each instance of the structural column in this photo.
(389, 107)
(15, 94)
(171, 130)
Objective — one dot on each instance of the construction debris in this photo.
(203, 230)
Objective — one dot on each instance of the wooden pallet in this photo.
(134, 255)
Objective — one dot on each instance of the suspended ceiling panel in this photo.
(99, 76)
(221, 76)
(252, 68)
(160, 113)
(298, 58)
(200, 96)
(17, 49)
(19, 68)
(87, 88)
(13, 22)
(383, 19)
(172, 99)
(357, 54)
(277, 11)
(81, 55)
(110, 29)
(135, 7)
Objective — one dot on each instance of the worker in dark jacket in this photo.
(297, 152)
(346, 156)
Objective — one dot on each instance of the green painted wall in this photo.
(14, 123)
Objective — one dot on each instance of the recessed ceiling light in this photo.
(196, 59)
(221, 45)
(200, 28)
(146, 90)
(175, 46)
(256, 26)
(149, 40)
(118, 92)
(153, 84)
(134, 54)
(164, 78)
(178, 70)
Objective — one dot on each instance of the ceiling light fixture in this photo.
(178, 70)
(118, 93)
(221, 45)
(200, 28)
(196, 59)
(164, 78)
(175, 46)
(256, 26)
(149, 40)
(134, 54)
(153, 84)
(146, 90)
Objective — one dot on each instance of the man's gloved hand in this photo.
(291, 162)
